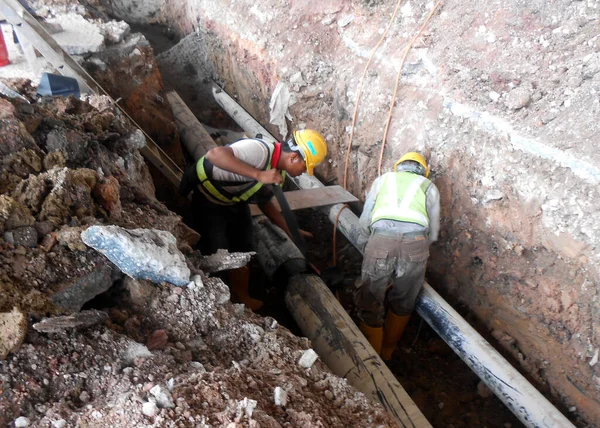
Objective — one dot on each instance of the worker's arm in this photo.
(364, 222)
(272, 212)
(433, 211)
(224, 158)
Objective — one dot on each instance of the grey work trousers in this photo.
(391, 260)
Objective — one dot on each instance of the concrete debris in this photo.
(280, 397)
(60, 423)
(163, 397)
(13, 327)
(308, 358)
(493, 195)
(149, 408)
(21, 422)
(79, 320)
(72, 295)
(594, 359)
(246, 408)
(345, 20)
(115, 31)
(140, 253)
(133, 352)
(80, 36)
(518, 98)
(224, 260)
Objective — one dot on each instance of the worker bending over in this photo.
(402, 217)
(228, 178)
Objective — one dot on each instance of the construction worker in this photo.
(229, 177)
(400, 219)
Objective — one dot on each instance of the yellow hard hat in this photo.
(312, 146)
(413, 156)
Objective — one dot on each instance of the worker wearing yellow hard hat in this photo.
(227, 178)
(400, 219)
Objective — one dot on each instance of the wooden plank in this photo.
(310, 198)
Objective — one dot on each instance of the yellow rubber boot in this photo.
(373, 334)
(240, 280)
(394, 327)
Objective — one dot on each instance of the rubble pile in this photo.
(139, 353)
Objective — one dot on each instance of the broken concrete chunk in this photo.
(308, 359)
(134, 351)
(115, 31)
(280, 396)
(224, 260)
(13, 214)
(163, 397)
(493, 195)
(518, 98)
(22, 422)
(74, 294)
(80, 36)
(79, 320)
(149, 408)
(141, 253)
(13, 327)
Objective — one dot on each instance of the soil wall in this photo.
(502, 97)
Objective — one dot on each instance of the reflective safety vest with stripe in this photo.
(402, 197)
(221, 191)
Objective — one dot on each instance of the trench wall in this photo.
(504, 99)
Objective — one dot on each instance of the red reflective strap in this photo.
(276, 155)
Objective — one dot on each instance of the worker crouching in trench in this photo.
(401, 219)
(228, 178)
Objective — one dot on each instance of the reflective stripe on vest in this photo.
(402, 197)
(220, 194)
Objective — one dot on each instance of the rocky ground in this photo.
(155, 354)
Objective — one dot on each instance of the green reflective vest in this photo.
(218, 191)
(402, 197)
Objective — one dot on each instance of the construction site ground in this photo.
(503, 100)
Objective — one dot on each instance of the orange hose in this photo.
(360, 92)
(389, 119)
(337, 218)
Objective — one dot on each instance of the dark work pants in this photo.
(391, 260)
(220, 226)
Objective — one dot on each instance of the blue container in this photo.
(53, 84)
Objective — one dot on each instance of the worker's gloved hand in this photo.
(270, 176)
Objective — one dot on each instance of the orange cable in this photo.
(337, 218)
(408, 48)
(360, 92)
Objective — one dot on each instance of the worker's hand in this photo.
(305, 234)
(270, 176)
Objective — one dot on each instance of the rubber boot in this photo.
(240, 281)
(373, 334)
(394, 327)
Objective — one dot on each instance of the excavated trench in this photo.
(443, 387)
(503, 100)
